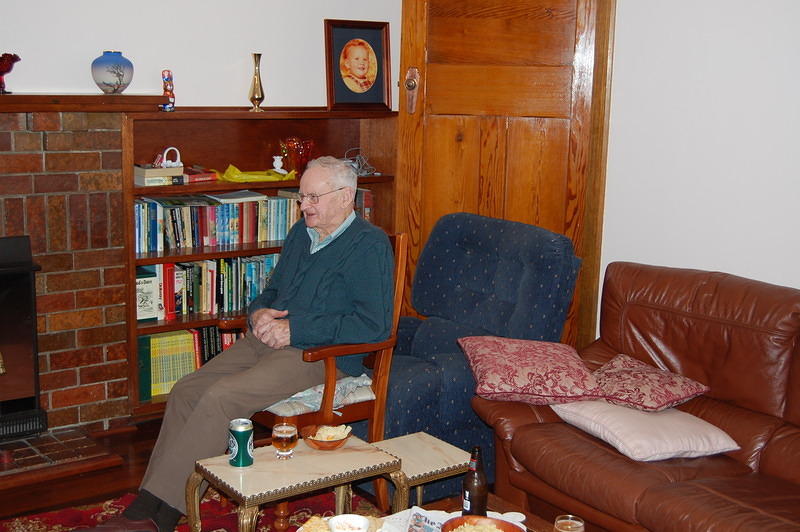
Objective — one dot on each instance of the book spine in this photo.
(212, 225)
(160, 277)
(143, 359)
(169, 291)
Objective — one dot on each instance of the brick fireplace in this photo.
(60, 183)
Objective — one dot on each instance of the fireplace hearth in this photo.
(20, 414)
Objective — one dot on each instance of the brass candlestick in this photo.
(256, 91)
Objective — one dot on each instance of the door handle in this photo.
(411, 85)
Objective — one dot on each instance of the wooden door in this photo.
(510, 122)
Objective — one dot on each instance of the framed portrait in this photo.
(357, 65)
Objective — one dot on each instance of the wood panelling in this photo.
(533, 33)
(492, 177)
(408, 210)
(453, 186)
(499, 90)
(537, 172)
(510, 122)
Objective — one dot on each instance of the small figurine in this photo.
(6, 64)
(277, 164)
(169, 92)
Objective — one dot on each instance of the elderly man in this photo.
(332, 284)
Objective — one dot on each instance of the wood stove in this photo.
(20, 414)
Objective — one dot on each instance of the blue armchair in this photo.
(475, 276)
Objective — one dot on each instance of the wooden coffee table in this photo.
(534, 523)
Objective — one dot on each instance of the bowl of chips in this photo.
(325, 437)
(478, 523)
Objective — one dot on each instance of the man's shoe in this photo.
(123, 524)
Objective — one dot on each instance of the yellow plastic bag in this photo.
(235, 175)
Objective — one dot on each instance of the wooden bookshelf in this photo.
(215, 138)
(103, 103)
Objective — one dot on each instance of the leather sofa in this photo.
(738, 336)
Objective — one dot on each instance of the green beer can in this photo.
(240, 442)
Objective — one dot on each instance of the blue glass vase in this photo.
(112, 72)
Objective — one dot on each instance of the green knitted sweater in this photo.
(340, 294)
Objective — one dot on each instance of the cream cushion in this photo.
(647, 436)
(349, 390)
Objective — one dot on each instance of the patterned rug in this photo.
(217, 515)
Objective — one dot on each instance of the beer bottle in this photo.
(476, 489)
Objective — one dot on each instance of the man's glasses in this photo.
(314, 198)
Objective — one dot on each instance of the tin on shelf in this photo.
(240, 442)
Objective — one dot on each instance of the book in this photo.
(364, 203)
(197, 174)
(143, 359)
(160, 310)
(169, 291)
(148, 170)
(180, 290)
(291, 193)
(172, 357)
(237, 196)
(153, 176)
(198, 349)
(146, 294)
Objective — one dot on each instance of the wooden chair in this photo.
(380, 359)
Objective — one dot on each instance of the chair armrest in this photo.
(314, 354)
(329, 353)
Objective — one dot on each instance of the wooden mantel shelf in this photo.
(29, 103)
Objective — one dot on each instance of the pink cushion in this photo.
(538, 373)
(627, 381)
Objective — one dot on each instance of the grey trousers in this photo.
(247, 377)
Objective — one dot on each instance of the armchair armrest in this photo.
(314, 354)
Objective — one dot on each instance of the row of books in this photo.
(212, 286)
(166, 357)
(181, 222)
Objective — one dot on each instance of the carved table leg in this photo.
(344, 499)
(247, 518)
(400, 499)
(193, 501)
(282, 516)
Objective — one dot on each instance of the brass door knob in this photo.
(411, 84)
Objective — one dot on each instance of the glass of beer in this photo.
(284, 439)
(568, 523)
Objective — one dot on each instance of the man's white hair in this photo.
(342, 173)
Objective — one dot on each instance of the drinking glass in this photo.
(568, 523)
(284, 439)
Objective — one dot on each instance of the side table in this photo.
(270, 479)
(424, 459)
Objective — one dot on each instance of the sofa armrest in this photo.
(505, 417)
(597, 353)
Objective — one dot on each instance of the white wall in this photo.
(703, 150)
(704, 116)
(206, 43)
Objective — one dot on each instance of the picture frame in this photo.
(357, 65)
